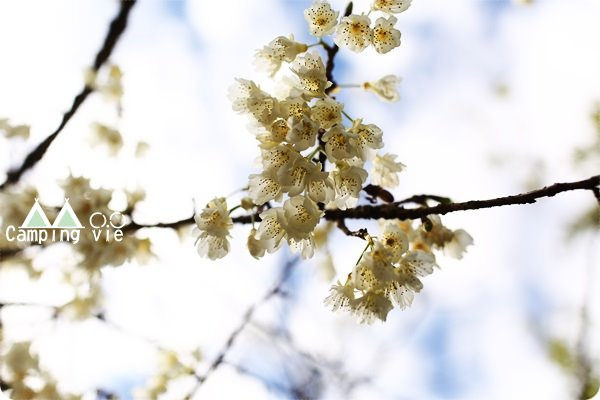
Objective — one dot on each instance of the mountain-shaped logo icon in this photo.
(66, 218)
(36, 218)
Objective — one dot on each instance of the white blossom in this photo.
(457, 246)
(109, 137)
(385, 170)
(293, 106)
(213, 224)
(306, 176)
(319, 186)
(271, 231)
(339, 144)
(368, 138)
(453, 242)
(280, 49)
(327, 112)
(386, 88)
(303, 133)
(394, 240)
(375, 269)
(354, 32)
(11, 131)
(278, 158)
(273, 134)
(306, 246)
(108, 81)
(321, 18)
(391, 6)
(371, 306)
(310, 72)
(348, 181)
(301, 217)
(385, 37)
(417, 263)
(341, 297)
(247, 97)
(264, 187)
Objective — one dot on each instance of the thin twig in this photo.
(361, 233)
(220, 358)
(117, 26)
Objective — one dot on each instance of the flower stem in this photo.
(349, 85)
(234, 208)
(347, 116)
(369, 244)
(312, 154)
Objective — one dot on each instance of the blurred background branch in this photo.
(115, 30)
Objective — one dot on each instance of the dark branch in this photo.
(7, 253)
(117, 26)
(4, 386)
(391, 211)
(395, 210)
(596, 192)
(133, 226)
(361, 233)
(421, 199)
(331, 52)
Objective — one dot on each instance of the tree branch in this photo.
(421, 199)
(396, 211)
(392, 211)
(133, 226)
(117, 26)
(7, 253)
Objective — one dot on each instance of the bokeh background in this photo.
(496, 97)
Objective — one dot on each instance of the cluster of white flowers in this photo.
(94, 254)
(21, 371)
(108, 82)
(86, 291)
(298, 134)
(388, 272)
(314, 157)
(355, 31)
